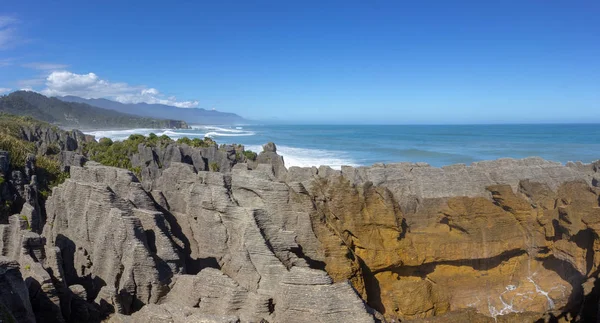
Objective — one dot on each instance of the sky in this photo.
(369, 61)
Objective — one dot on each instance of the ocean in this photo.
(437, 145)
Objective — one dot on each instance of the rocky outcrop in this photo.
(20, 184)
(503, 241)
(112, 239)
(508, 216)
(269, 156)
(51, 139)
(152, 160)
(411, 244)
(19, 191)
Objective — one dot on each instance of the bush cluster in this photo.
(118, 153)
(214, 167)
(250, 154)
(47, 168)
(197, 142)
(18, 149)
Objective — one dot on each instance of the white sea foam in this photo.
(293, 156)
(304, 157)
(213, 134)
(118, 134)
(215, 131)
(196, 132)
(173, 134)
(218, 129)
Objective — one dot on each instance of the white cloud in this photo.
(4, 90)
(7, 31)
(60, 83)
(45, 66)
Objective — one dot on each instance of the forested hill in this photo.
(79, 115)
(191, 115)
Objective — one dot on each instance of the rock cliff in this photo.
(498, 241)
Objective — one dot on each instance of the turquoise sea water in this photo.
(308, 145)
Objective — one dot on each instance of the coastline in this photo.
(361, 240)
(439, 146)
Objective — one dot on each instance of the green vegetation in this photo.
(27, 267)
(52, 150)
(118, 153)
(250, 154)
(27, 103)
(11, 139)
(49, 174)
(247, 154)
(18, 149)
(197, 142)
(214, 167)
(11, 132)
(2, 179)
(24, 218)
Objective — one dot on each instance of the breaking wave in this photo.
(195, 132)
(304, 157)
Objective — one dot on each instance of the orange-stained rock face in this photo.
(513, 251)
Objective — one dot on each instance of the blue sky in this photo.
(364, 61)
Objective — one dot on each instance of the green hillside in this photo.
(79, 115)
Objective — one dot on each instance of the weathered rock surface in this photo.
(518, 236)
(503, 241)
(414, 241)
(269, 156)
(152, 160)
(112, 239)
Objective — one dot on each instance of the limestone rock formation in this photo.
(436, 251)
(269, 156)
(112, 239)
(498, 241)
(412, 246)
(152, 160)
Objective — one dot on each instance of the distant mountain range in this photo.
(190, 115)
(77, 115)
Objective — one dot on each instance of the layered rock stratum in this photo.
(496, 241)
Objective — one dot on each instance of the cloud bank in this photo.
(61, 83)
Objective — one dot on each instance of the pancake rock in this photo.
(498, 241)
(112, 239)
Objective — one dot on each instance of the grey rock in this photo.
(172, 313)
(212, 292)
(270, 147)
(101, 219)
(245, 221)
(327, 302)
(14, 295)
(269, 156)
(71, 158)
